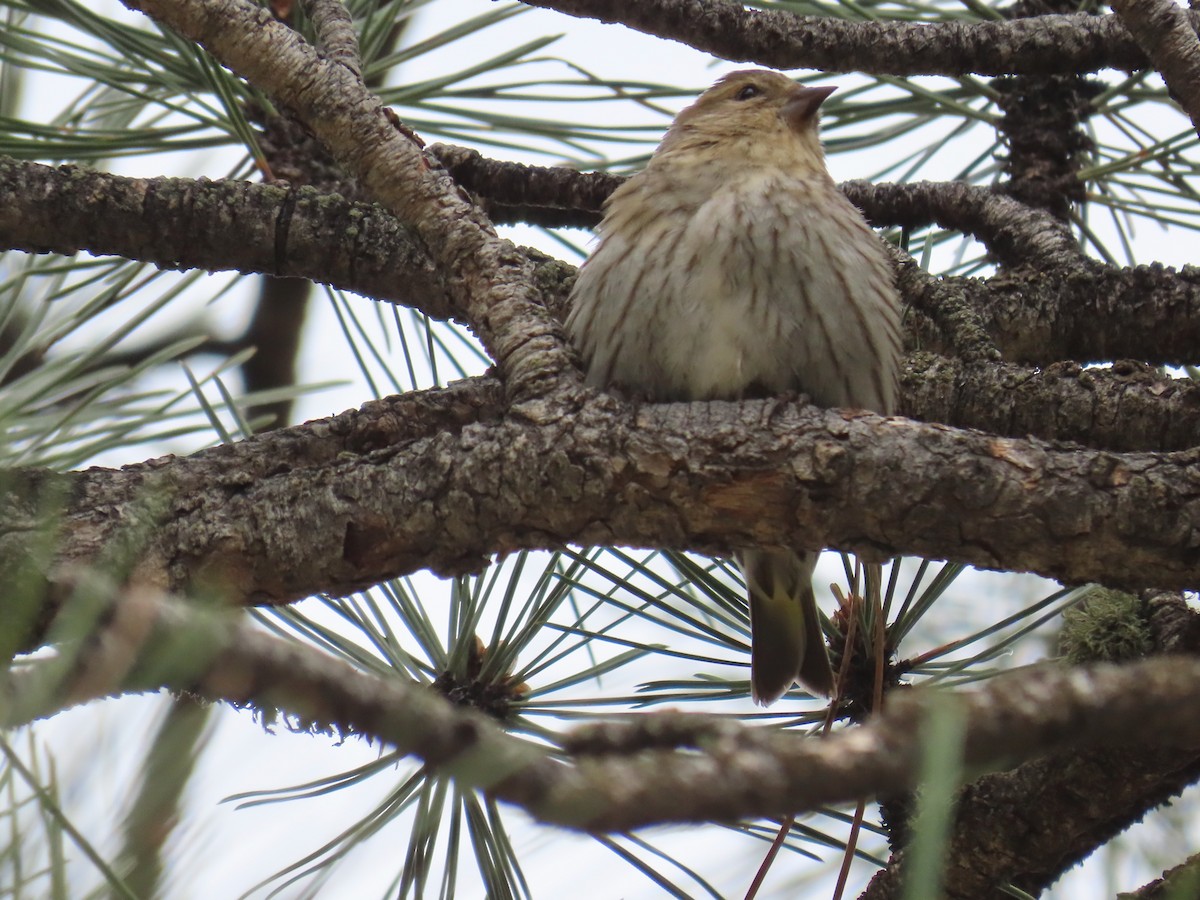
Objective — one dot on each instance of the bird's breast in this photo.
(770, 284)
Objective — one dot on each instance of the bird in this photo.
(732, 267)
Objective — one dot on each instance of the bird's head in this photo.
(753, 115)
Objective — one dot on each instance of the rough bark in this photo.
(219, 226)
(1028, 825)
(1164, 30)
(616, 776)
(343, 503)
(488, 279)
(783, 40)
(1128, 406)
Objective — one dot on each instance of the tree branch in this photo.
(1066, 44)
(1043, 126)
(182, 223)
(1178, 881)
(446, 429)
(341, 504)
(1029, 825)
(1130, 406)
(515, 192)
(336, 39)
(1048, 706)
(489, 280)
(1088, 313)
(1164, 30)
(1013, 232)
(653, 768)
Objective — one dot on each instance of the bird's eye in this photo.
(749, 92)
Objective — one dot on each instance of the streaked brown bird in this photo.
(733, 267)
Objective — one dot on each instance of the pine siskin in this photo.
(733, 267)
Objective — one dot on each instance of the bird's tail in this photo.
(786, 642)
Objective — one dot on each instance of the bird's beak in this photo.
(802, 105)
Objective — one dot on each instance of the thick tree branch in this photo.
(1130, 406)
(182, 223)
(463, 426)
(1164, 30)
(149, 642)
(1088, 313)
(489, 280)
(1067, 44)
(661, 767)
(274, 519)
